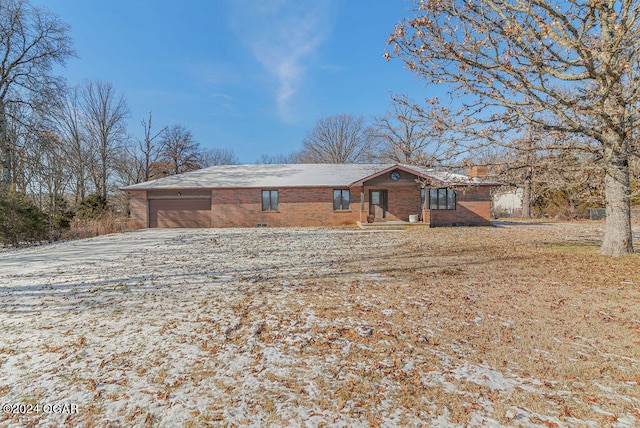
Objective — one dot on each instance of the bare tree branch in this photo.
(566, 67)
(341, 138)
(106, 113)
(33, 41)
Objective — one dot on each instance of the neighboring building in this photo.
(508, 202)
(310, 195)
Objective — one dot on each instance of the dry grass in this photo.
(532, 303)
(522, 324)
(103, 224)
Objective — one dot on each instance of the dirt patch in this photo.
(512, 325)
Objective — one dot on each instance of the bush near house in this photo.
(21, 221)
(570, 201)
(561, 204)
(96, 216)
(92, 206)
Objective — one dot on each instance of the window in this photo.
(341, 200)
(442, 199)
(269, 200)
(375, 197)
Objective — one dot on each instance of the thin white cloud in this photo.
(283, 36)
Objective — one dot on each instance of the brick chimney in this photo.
(477, 171)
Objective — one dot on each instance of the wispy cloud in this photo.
(284, 36)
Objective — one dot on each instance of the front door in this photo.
(378, 204)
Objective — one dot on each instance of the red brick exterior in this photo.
(313, 206)
(403, 196)
(473, 206)
(138, 208)
(296, 207)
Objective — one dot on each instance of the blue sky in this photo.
(251, 75)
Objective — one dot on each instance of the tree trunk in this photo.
(5, 151)
(618, 237)
(104, 168)
(526, 195)
(5, 162)
(80, 186)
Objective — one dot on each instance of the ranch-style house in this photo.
(311, 195)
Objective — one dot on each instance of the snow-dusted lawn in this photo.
(143, 326)
(300, 327)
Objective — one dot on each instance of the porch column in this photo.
(361, 202)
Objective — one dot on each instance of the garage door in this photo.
(179, 213)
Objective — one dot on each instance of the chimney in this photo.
(477, 171)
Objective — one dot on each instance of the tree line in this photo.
(80, 145)
(545, 92)
(64, 149)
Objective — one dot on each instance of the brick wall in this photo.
(403, 195)
(296, 207)
(138, 208)
(402, 202)
(472, 209)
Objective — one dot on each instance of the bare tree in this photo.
(341, 138)
(519, 168)
(106, 113)
(218, 156)
(149, 149)
(139, 158)
(68, 118)
(33, 40)
(280, 158)
(20, 132)
(408, 136)
(54, 177)
(180, 152)
(127, 165)
(567, 67)
(553, 183)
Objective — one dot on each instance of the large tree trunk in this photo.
(526, 195)
(80, 186)
(5, 151)
(618, 237)
(5, 162)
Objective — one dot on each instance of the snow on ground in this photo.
(176, 327)
(140, 325)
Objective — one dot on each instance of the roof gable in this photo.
(387, 170)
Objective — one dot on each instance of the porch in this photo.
(390, 225)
